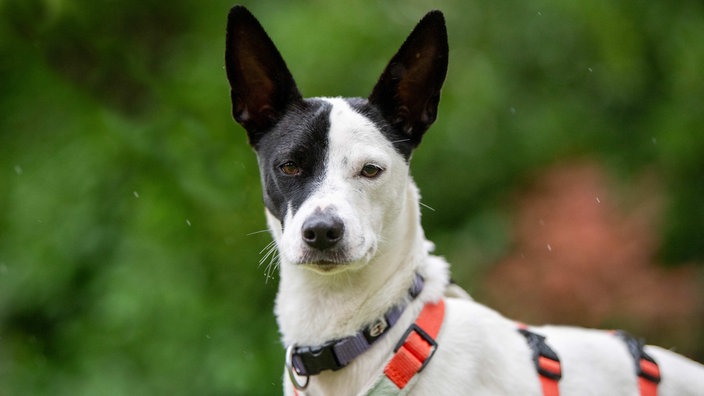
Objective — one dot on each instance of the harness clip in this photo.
(425, 337)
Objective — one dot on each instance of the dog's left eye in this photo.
(370, 171)
(290, 168)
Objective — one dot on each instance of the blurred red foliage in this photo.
(585, 254)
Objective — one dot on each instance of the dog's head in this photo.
(334, 171)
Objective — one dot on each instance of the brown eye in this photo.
(370, 171)
(290, 168)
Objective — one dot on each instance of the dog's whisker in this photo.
(264, 258)
(270, 249)
(267, 247)
(257, 232)
(271, 267)
(427, 206)
(271, 258)
(267, 257)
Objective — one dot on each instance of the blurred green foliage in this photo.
(130, 204)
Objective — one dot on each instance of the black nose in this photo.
(322, 230)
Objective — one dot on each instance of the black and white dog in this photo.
(363, 306)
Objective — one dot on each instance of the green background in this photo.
(130, 206)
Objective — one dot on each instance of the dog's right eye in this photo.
(370, 171)
(289, 168)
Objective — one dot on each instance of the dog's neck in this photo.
(320, 307)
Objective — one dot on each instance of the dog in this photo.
(363, 306)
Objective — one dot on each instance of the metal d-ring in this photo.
(291, 372)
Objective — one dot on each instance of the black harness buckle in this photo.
(646, 367)
(425, 336)
(540, 349)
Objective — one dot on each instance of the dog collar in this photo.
(336, 354)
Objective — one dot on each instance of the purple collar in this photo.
(336, 354)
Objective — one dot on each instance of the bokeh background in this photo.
(564, 178)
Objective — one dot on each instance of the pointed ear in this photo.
(408, 90)
(262, 88)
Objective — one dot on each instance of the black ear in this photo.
(262, 88)
(408, 90)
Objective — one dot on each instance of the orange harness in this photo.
(418, 345)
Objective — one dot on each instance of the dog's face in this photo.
(332, 181)
(334, 171)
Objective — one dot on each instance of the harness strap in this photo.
(412, 353)
(547, 363)
(417, 346)
(647, 369)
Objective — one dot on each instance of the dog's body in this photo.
(344, 213)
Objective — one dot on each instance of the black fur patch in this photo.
(301, 137)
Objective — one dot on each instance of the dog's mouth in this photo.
(322, 262)
(326, 262)
(326, 266)
(337, 259)
(334, 262)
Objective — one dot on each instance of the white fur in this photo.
(480, 352)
